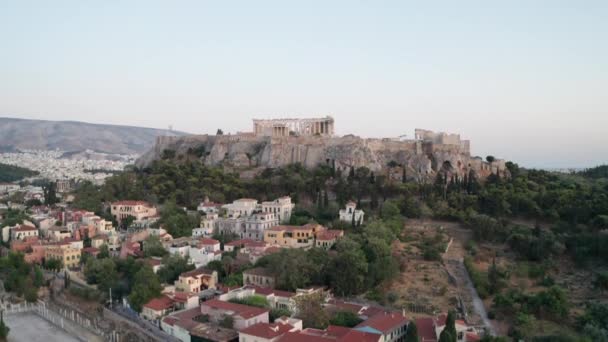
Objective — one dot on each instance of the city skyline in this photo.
(520, 88)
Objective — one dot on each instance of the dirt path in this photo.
(476, 313)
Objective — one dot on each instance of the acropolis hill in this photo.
(311, 142)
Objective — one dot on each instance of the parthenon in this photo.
(294, 127)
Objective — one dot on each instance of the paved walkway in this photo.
(28, 326)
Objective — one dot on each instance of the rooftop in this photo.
(160, 303)
(384, 322)
(244, 311)
(267, 330)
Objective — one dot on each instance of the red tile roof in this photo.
(160, 303)
(244, 311)
(201, 271)
(267, 330)
(208, 241)
(331, 234)
(385, 322)
(332, 333)
(426, 329)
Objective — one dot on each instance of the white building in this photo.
(351, 210)
(241, 208)
(256, 224)
(281, 207)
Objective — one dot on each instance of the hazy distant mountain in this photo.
(76, 136)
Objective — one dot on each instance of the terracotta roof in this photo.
(197, 272)
(426, 329)
(208, 241)
(90, 250)
(384, 322)
(267, 330)
(332, 333)
(268, 291)
(182, 297)
(259, 271)
(128, 202)
(244, 311)
(160, 303)
(246, 243)
(331, 234)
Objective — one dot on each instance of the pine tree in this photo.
(445, 336)
(411, 334)
(325, 199)
(450, 325)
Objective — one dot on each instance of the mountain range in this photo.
(74, 136)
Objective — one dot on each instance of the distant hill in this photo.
(76, 136)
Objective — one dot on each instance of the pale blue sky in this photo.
(524, 80)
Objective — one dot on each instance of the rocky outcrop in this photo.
(422, 158)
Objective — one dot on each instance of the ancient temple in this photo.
(294, 127)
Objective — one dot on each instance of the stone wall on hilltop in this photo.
(423, 158)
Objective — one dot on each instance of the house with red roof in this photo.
(23, 231)
(326, 239)
(157, 308)
(331, 334)
(196, 280)
(270, 332)
(138, 210)
(243, 315)
(391, 326)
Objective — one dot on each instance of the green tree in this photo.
(145, 287)
(450, 326)
(348, 268)
(411, 335)
(345, 319)
(445, 336)
(153, 247)
(173, 266)
(38, 277)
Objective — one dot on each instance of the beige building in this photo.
(69, 257)
(281, 208)
(139, 210)
(259, 276)
(196, 281)
(293, 236)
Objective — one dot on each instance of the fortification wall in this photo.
(246, 151)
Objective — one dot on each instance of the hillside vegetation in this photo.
(10, 173)
(535, 219)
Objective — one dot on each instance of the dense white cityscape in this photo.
(56, 164)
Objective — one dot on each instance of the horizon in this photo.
(523, 82)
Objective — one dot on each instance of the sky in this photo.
(523, 80)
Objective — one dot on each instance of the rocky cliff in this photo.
(246, 152)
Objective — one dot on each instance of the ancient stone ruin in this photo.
(311, 142)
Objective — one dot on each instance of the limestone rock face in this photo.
(422, 158)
